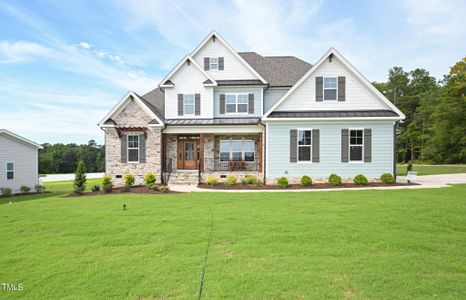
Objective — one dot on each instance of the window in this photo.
(133, 148)
(304, 145)
(236, 103)
(10, 170)
(214, 63)
(356, 145)
(188, 104)
(237, 150)
(330, 88)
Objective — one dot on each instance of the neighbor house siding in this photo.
(271, 96)
(238, 90)
(25, 162)
(278, 148)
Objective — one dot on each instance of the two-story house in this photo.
(222, 112)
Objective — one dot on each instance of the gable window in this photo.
(133, 148)
(188, 104)
(356, 145)
(237, 150)
(214, 63)
(236, 103)
(330, 88)
(10, 170)
(304, 145)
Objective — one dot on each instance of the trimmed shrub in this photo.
(129, 180)
(360, 180)
(212, 180)
(149, 180)
(164, 189)
(334, 179)
(6, 192)
(282, 182)
(25, 189)
(107, 184)
(79, 183)
(231, 180)
(306, 181)
(387, 178)
(39, 188)
(249, 179)
(96, 188)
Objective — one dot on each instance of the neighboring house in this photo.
(18, 161)
(224, 112)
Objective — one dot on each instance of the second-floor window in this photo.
(330, 88)
(214, 63)
(189, 104)
(236, 103)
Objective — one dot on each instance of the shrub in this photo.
(128, 179)
(212, 180)
(25, 189)
(39, 188)
(387, 178)
(6, 192)
(250, 179)
(409, 168)
(231, 180)
(334, 179)
(282, 182)
(96, 188)
(107, 184)
(79, 184)
(306, 181)
(164, 189)
(149, 180)
(360, 180)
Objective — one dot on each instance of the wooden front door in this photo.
(188, 154)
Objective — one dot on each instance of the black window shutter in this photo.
(315, 145)
(344, 145)
(251, 103)
(341, 88)
(293, 145)
(180, 104)
(221, 63)
(319, 89)
(197, 104)
(367, 145)
(124, 148)
(206, 64)
(142, 148)
(222, 104)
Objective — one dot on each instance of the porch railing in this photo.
(217, 165)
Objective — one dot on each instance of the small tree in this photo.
(79, 184)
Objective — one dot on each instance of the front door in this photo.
(188, 154)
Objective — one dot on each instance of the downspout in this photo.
(161, 142)
(395, 158)
(264, 139)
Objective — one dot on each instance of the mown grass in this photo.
(401, 169)
(341, 244)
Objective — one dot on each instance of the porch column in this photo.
(259, 152)
(201, 154)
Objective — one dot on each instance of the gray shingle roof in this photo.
(218, 121)
(155, 100)
(333, 114)
(278, 71)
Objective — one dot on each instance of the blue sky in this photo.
(64, 64)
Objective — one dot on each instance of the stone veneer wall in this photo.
(132, 116)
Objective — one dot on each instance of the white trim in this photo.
(231, 129)
(267, 120)
(6, 170)
(179, 65)
(336, 88)
(349, 147)
(297, 146)
(352, 69)
(132, 148)
(123, 103)
(217, 36)
(20, 138)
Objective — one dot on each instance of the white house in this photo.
(18, 161)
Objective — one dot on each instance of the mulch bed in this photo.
(24, 194)
(315, 186)
(137, 189)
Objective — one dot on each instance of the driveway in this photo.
(61, 177)
(434, 181)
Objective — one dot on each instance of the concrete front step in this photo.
(184, 177)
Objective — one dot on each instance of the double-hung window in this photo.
(236, 103)
(10, 170)
(304, 145)
(133, 148)
(356, 145)
(188, 104)
(213, 63)
(237, 150)
(330, 88)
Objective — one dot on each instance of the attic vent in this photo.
(330, 57)
(213, 38)
(168, 82)
(189, 62)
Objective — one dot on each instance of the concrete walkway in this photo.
(61, 177)
(428, 181)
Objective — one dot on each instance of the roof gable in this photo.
(19, 138)
(167, 82)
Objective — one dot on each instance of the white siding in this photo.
(234, 68)
(25, 162)
(357, 96)
(188, 80)
(271, 96)
(278, 151)
(257, 101)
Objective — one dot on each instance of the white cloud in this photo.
(85, 45)
(21, 51)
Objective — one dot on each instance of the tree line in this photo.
(63, 158)
(434, 130)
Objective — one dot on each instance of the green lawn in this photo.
(388, 244)
(431, 169)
